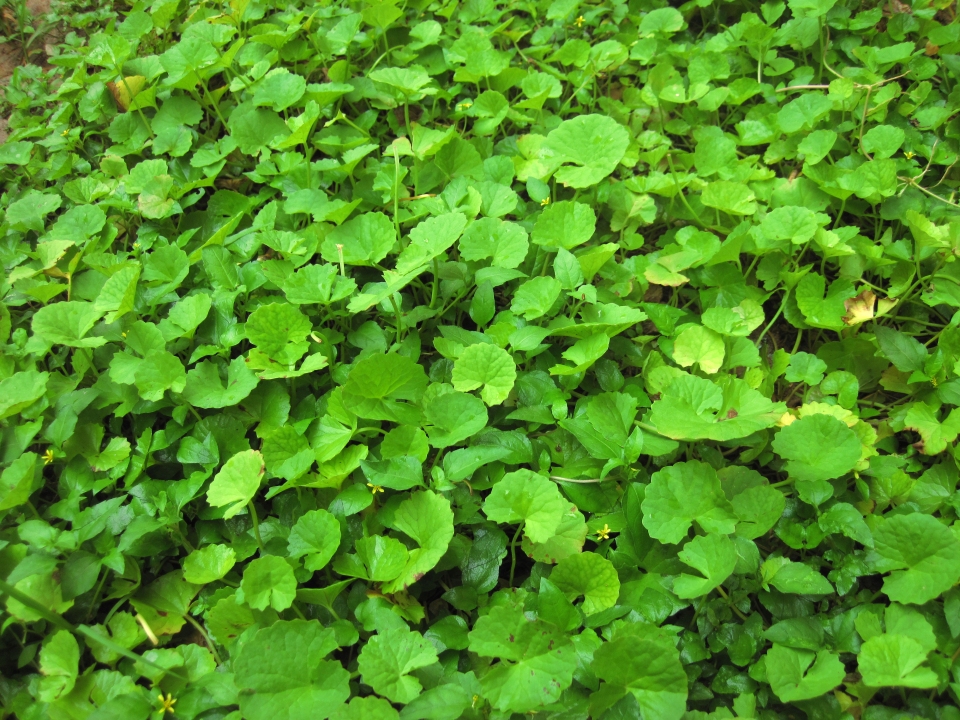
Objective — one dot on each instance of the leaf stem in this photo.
(256, 527)
(513, 552)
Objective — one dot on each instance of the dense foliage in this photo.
(473, 359)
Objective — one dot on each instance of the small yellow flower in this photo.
(166, 703)
(464, 105)
(48, 456)
(909, 154)
(579, 21)
(65, 133)
(374, 488)
(545, 202)
(604, 532)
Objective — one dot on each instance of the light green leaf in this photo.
(817, 447)
(701, 345)
(237, 482)
(797, 674)
(388, 658)
(66, 323)
(894, 661)
(427, 519)
(565, 224)
(647, 666)
(59, 664)
(208, 564)
(693, 408)
(682, 494)
(269, 581)
(316, 537)
(535, 297)
(715, 556)
(524, 496)
(923, 554)
(537, 660)
(590, 575)
(594, 144)
(282, 674)
(364, 240)
(505, 243)
(205, 387)
(488, 367)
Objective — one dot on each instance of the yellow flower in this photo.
(166, 703)
(374, 488)
(65, 133)
(579, 21)
(545, 202)
(604, 532)
(464, 105)
(48, 456)
(909, 154)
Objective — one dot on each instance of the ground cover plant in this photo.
(428, 360)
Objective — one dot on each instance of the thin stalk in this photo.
(256, 527)
(513, 552)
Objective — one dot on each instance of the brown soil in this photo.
(10, 52)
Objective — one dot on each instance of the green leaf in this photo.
(523, 496)
(794, 577)
(805, 368)
(682, 494)
(315, 537)
(730, 197)
(699, 345)
(922, 553)
(894, 661)
(208, 564)
(158, 372)
(377, 383)
(19, 481)
(269, 582)
(820, 311)
(646, 665)
(796, 674)
(537, 660)
(715, 556)
(453, 417)
(817, 447)
(383, 557)
(564, 224)
(286, 453)
(426, 518)
(59, 664)
(67, 323)
(388, 658)
(693, 408)
(505, 243)
(594, 144)
(364, 240)
(206, 388)
(934, 434)
(237, 482)
(590, 575)
(255, 129)
(366, 708)
(272, 327)
(281, 672)
(535, 297)
(488, 367)
(397, 473)
(279, 89)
